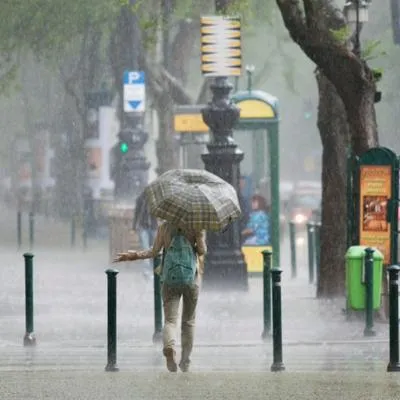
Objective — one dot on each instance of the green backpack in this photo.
(179, 265)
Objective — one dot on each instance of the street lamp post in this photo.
(356, 14)
(225, 264)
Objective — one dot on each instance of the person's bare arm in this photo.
(132, 255)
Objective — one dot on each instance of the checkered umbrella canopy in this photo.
(194, 199)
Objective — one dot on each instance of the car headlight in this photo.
(300, 219)
(300, 241)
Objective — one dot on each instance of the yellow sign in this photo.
(221, 46)
(212, 30)
(254, 258)
(189, 123)
(211, 48)
(375, 191)
(220, 70)
(255, 109)
(214, 58)
(222, 21)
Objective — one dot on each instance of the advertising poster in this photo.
(375, 191)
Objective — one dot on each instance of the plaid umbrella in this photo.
(193, 199)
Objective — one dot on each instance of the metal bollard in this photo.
(277, 364)
(311, 246)
(292, 234)
(369, 292)
(29, 337)
(31, 229)
(84, 230)
(158, 323)
(317, 242)
(267, 256)
(19, 228)
(394, 363)
(112, 320)
(73, 231)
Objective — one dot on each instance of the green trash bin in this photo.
(355, 278)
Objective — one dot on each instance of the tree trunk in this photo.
(177, 65)
(361, 117)
(333, 130)
(166, 147)
(347, 92)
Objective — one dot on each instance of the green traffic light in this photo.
(123, 147)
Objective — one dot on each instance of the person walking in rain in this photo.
(190, 202)
(180, 276)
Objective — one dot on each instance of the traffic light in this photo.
(125, 141)
(123, 147)
(129, 165)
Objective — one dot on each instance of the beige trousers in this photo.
(171, 299)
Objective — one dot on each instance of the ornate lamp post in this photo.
(225, 265)
(356, 14)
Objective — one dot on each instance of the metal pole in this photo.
(73, 231)
(394, 364)
(19, 228)
(357, 46)
(166, 12)
(85, 227)
(310, 248)
(277, 364)
(350, 205)
(273, 144)
(369, 292)
(292, 233)
(31, 229)
(158, 323)
(267, 256)
(112, 320)
(29, 337)
(317, 238)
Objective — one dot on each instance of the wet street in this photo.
(209, 386)
(325, 356)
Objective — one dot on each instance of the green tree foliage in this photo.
(75, 37)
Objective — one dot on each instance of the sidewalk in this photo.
(325, 355)
(70, 318)
(221, 385)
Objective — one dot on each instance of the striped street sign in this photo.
(221, 53)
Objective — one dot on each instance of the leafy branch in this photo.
(371, 50)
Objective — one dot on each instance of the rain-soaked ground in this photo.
(198, 386)
(325, 356)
